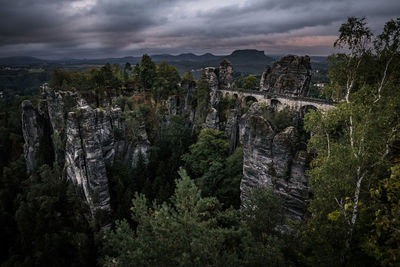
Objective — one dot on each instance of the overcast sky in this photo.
(103, 28)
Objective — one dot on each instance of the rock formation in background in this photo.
(232, 129)
(189, 89)
(211, 74)
(291, 76)
(225, 76)
(220, 78)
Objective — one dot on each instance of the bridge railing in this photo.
(268, 95)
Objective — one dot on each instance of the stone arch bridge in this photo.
(280, 100)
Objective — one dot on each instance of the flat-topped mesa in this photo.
(291, 76)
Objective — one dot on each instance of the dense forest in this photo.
(181, 205)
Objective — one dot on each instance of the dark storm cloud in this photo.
(99, 28)
(20, 20)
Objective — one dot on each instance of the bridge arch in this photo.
(249, 100)
(276, 104)
(278, 101)
(306, 108)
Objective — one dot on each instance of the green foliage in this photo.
(42, 220)
(105, 78)
(123, 184)
(212, 147)
(127, 71)
(189, 231)
(147, 72)
(203, 98)
(354, 179)
(239, 83)
(166, 158)
(222, 179)
(124, 102)
(167, 81)
(263, 212)
(226, 103)
(22, 81)
(11, 178)
(334, 90)
(187, 77)
(137, 119)
(51, 228)
(384, 241)
(217, 173)
(354, 142)
(279, 120)
(11, 139)
(354, 35)
(250, 83)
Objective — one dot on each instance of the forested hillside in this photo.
(141, 166)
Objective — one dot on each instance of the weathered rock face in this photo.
(291, 75)
(232, 129)
(88, 138)
(56, 102)
(272, 159)
(32, 130)
(83, 141)
(84, 161)
(189, 89)
(142, 146)
(212, 120)
(220, 78)
(225, 75)
(212, 79)
(126, 151)
(173, 105)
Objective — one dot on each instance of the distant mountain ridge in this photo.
(20, 60)
(248, 54)
(250, 61)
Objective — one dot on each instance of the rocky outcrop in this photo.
(272, 159)
(220, 78)
(291, 75)
(32, 131)
(232, 129)
(189, 89)
(84, 161)
(141, 146)
(66, 130)
(85, 136)
(56, 102)
(212, 120)
(189, 107)
(211, 75)
(174, 105)
(126, 151)
(37, 132)
(225, 75)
